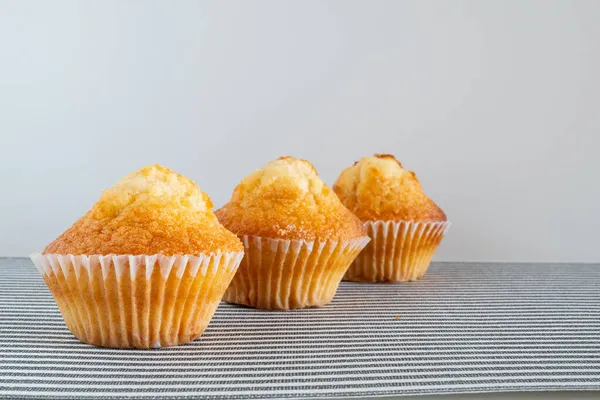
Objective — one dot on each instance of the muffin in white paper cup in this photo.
(146, 267)
(405, 226)
(399, 251)
(281, 274)
(299, 239)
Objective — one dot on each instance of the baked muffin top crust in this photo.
(150, 211)
(379, 188)
(286, 199)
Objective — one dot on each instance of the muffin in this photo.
(145, 267)
(405, 226)
(298, 237)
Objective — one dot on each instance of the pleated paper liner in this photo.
(142, 301)
(283, 274)
(399, 251)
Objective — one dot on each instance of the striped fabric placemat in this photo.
(463, 328)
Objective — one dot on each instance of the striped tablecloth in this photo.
(463, 328)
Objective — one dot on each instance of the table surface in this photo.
(464, 328)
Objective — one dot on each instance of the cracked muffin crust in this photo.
(286, 199)
(379, 188)
(151, 211)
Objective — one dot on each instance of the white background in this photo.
(495, 105)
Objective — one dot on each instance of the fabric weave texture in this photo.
(463, 328)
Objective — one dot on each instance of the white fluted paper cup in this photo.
(282, 274)
(137, 301)
(399, 251)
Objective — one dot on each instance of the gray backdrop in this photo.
(495, 105)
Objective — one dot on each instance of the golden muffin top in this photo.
(378, 188)
(150, 211)
(286, 199)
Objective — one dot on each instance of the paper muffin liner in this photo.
(137, 301)
(399, 251)
(282, 274)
